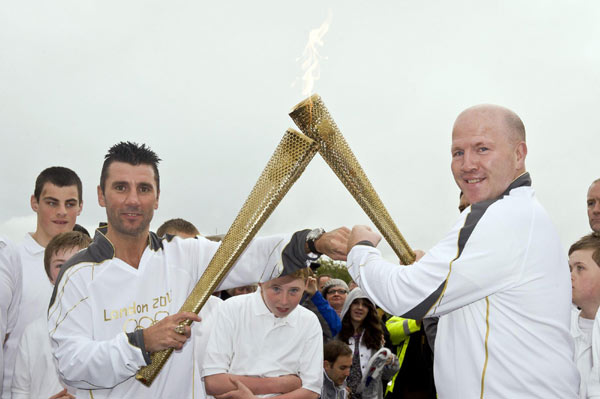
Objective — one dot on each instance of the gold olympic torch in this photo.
(291, 157)
(312, 117)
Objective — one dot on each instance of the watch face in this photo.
(314, 234)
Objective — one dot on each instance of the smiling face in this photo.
(487, 156)
(585, 280)
(57, 211)
(359, 310)
(130, 197)
(593, 206)
(281, 295)
(336, 296)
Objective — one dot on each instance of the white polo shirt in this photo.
(581, 330)
(247, 339)
(10, 293)
(37, 290)
(500, 282)
(35, 374)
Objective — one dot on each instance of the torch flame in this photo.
(311, 56)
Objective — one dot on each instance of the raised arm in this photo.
(266, 258)
(328, 313)
(447, 277)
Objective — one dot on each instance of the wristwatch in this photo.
(313, 236)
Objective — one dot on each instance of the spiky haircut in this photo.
(177, 225)
(62, 242)
(60, 177)
(133, 154)
(590, 241)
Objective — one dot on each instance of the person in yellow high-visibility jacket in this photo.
(415, 378)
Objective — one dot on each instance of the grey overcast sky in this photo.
(208, 86)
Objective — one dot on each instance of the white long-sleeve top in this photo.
(583, 348)
(10, 295)
(500, 282)
(35, 374)
(100, 298)
(36, 292)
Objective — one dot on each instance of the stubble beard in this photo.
(118, 226)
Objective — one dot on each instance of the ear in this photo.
(156, 203)
(521, 153)
(326, 364)
(80, 207)
(101, 201)
(34, 203)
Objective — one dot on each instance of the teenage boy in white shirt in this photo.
(57, 201)
(266, 342)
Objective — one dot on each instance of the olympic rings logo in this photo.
(132, 325)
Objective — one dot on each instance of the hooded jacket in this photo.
(388, 370)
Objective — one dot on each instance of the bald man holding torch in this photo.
(498, 280)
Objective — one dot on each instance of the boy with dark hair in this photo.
(337, 360)
(117, 302)
(60, 177)
(584, 263)
(267, 342)
(57, 201)
(35, 374)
